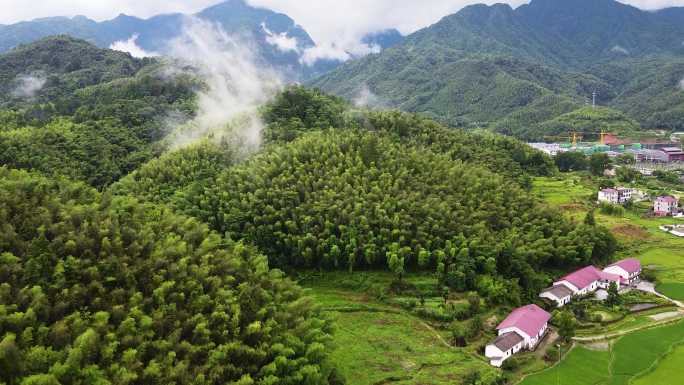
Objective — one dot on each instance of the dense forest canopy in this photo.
(387, 185)
(96, 289)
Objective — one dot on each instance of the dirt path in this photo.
(546, 343)
(608, 336)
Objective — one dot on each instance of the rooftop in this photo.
(630, 265)
(507, 341)
(583, 277)
(530, 319)
(559, 291)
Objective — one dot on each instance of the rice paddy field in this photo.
(649, 356)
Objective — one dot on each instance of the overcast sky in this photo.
(328, 21)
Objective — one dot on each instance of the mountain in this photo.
(266, 28)
(384, 39)
(514, 69)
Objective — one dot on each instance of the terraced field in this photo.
(643, 353)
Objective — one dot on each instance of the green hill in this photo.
(95, 289)
(511, 70)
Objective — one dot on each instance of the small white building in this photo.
(616, 196)
(628, 269)
(522, 329)
(666, 206)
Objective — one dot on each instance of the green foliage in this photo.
(96, 119)
(566, 325)
(613, 295)
(571, 161)
(599, 163)
(498, 153)
(99, 290)
(358, 200)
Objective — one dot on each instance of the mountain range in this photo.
(279, 41)
(519, 71)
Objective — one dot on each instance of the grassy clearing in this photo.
(580, 367)
(378, 343)
(668, 371)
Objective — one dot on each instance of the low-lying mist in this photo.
(235, 85)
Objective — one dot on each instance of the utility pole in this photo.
(558, 365)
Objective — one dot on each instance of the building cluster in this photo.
(663, 206)
(526, 326)
(648, 151)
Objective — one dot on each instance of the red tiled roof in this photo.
(630, 265)
(583, 277)
(530, 319)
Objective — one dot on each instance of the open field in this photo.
(580, 367)
(668, 371)
(629, 357)
(377, 343)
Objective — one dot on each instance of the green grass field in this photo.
(668, 371)
(375, 343)
(628, 357)
(580, 367)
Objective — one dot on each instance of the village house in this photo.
(522, 329)
(581, 282)
(616, 196)
(665, 206)
(628, 269)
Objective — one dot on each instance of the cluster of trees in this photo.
(597, 163)
(298, 110)
(96, 289)
(356, 199)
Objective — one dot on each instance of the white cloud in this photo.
(337, 26)
(131, 46)
(281, 40)
(235, 86)
(27, 86)
(620, 49)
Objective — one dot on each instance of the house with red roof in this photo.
(628, 269)
(665, 206)
(522, 329)
(581, 282)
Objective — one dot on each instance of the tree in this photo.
(395, 261)
(458, 334)
(571, 161)
(472, 377)
(566, 325)
(474, 303)
(599, 163)
(627, 175)
(613, 295)
(589, 219)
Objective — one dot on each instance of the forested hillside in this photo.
(400, 193)
(123, 261)
(95, 115)
(516, 70)
(95, 289)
